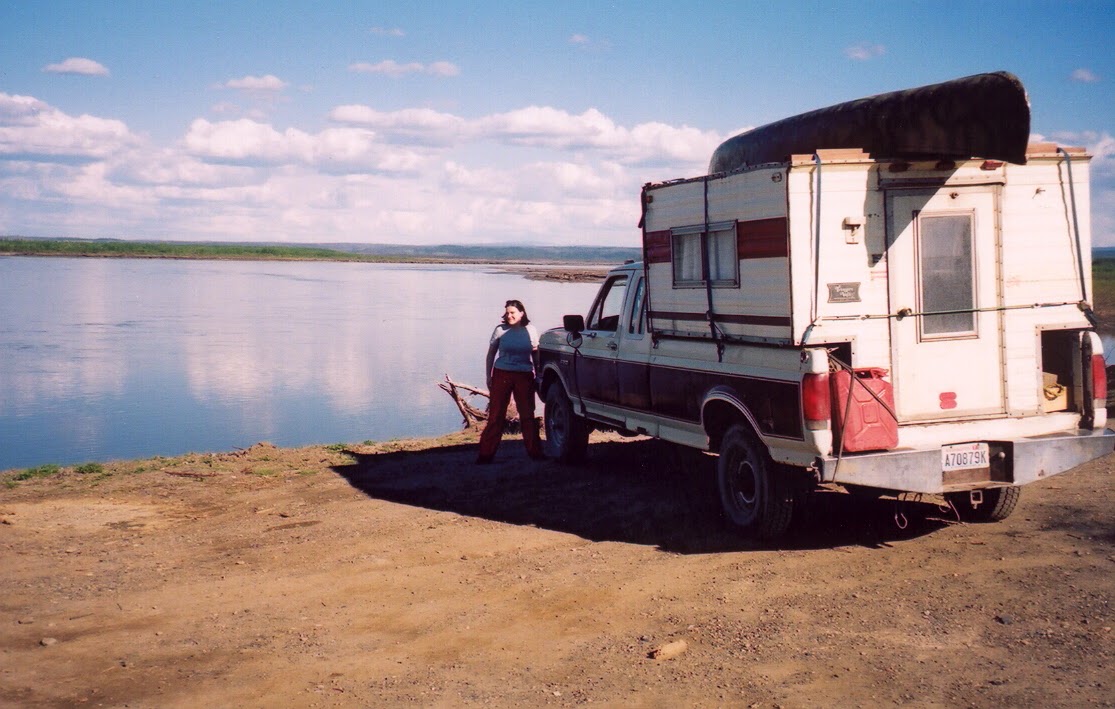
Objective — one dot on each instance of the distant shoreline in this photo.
(522, 260)
(557, 269)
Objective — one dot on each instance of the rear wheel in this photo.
(566, 432)
(997, 504)
(755, 498)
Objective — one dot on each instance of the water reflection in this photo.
(123, 358)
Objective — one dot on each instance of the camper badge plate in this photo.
(965, 456)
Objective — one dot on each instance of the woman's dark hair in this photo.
(518, 305)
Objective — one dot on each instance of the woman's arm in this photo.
(489, 362)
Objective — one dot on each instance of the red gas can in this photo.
(870, 426)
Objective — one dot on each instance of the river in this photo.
(104, 359)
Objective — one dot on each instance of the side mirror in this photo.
(573, 323)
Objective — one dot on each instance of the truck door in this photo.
(596, 370)
(946, 333)
(633, 361)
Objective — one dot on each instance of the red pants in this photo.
(504, 384)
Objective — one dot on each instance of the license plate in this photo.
(965, 456)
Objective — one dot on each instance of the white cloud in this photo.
(865, 51)
(1085, 76)
(389, 67)
(266, 83)
(579, 39)
(417, 175)
(388, 32)
(30, 127)
(537, 174)
(540, 127)
(334, 150)
(421, 125)
(443, 69)
(77, 65)
(543, 126)
(247, 141)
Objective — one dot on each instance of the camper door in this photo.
(946, 335)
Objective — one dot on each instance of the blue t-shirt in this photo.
(515, 347)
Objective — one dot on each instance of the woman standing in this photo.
(510, 365)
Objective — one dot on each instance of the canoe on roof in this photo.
(981, 116)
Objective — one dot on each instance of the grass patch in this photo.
(89, 468)
(42, 471)
(1103, 291)
(148, 249)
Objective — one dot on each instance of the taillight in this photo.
(815, 404)
(1099, 378)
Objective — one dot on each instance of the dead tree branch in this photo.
(464, 395)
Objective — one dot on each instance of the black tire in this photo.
(755, 499)
(998, 503)
(566, 432)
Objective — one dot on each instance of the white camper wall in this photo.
(759, 307)
(852, 281)
(1039, 265)
(1039, 243)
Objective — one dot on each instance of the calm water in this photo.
(103, 359)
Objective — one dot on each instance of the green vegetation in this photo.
(42, 471)
(147, 249)
(366, 253)
(89, 468)
(1103, 291)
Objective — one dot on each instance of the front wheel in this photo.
(998, 503)
(566, 432)
(755, 498)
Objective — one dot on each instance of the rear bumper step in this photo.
(919, 470)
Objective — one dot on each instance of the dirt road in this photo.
(406, 574)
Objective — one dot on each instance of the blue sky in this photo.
(471, 122)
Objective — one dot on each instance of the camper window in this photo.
(947, 275)
(719, 247)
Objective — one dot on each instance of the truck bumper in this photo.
(919, 470)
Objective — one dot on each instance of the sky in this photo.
(449, 122)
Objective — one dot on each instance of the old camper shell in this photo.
(966, 281)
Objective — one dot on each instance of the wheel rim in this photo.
(557, 423)
(742, 487)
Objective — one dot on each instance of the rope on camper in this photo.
(815, 315)
(706, 274)
(906, 313)
(644, 200)
(1085, 306)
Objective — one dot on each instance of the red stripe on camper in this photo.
(763, 238)
(656, 247)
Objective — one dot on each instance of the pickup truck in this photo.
(887, 311)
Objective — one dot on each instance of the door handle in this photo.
(613, 346)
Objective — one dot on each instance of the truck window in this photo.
(638, 312)
(605, 314)
(947, 275)
(720, 247)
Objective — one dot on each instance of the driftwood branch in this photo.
(464, 395)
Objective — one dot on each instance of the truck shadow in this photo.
(636, 492)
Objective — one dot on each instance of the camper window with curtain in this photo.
(720, 247)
